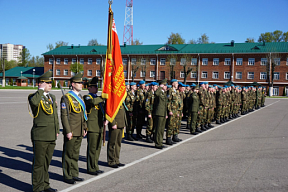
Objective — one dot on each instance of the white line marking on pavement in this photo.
(153, 154)
(11, 102)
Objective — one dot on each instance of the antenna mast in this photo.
(128, 23)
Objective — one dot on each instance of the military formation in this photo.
(157, 106)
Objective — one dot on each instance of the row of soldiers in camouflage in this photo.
(201, 105)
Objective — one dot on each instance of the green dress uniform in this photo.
(140, 102)
(43, 134)
(193, 110)
(130, 103)
(75, 124)
(95, 109)
(115, 137)
(149, 108)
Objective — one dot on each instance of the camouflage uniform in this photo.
(202, 104)
(173, 106)
(140, 100)
(193, 110)
(131, 110)
(182, 95)
(219, 105)
(149, 102)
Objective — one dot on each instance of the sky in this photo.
(35, 24)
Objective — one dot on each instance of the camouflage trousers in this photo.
(131, 120)
(231, 108)
(263, 101)
(189, 117)
(210, 115)
(244, 106)
(219, 109)
(176, 132)
(149, 129)
(193, 124)
(202, 116)
(172, 125)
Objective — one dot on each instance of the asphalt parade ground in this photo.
(248, 153)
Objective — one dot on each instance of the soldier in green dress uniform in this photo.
(44, 132)
(73, 117)
(140, 102)
(95, 113)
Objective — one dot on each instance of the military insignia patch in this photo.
(63, 105)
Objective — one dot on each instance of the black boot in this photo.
(134, 137)
(203, 128)
(222, 120)
(210, 126)
(194, 132)
(198, 130)
(148, 139)
(129, 137)
(226, 119)
(169, 141)
(206, 127)
(218, 122)
(138, 136)
(176, 139)
(230, 117)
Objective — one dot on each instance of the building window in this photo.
(286, 76)
(98, 61)
(205, 61)
(276, 75)
(58, 60)
(162, 61)
(65, 72)
(153, 61)
(90, 61)
(142, 73)
(215, 61)
(183, 61)
(89, 73)
(57, 83)
(250, 75)
(125, 74)
(65, 61)
(173, 61)
(133, 61)
(152, 73)
(98, 73)
(143, 61)
(263, 75)
(204, 74)
(277, 61)
(238, 75)
(227, 61)
(263, 61)
(72, 73)
(134, 74)
(82, 61)
(58, 72)
(182, 74)
(239, 61)
(51, 61)
(125, 61)
(215, 75)
(193, 74)
(251, 61)
(227, 75)
(194, 61)
(73, 61)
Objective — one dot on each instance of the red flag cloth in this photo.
(114, 82)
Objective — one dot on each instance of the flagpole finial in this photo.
(110, 2)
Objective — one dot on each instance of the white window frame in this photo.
(264, 61)
(183, 61)
(58, 72)
(73, 61)
(227, 74)
(90, 61)
(193, 73)
(124, 61)
(193, 61)
(66, 61)
(133, 61)
(82, 61)
(152, 73)
(287, 76)
(58, 61)
(276, 76)
(162, 61)
(239, 61)
(238, 73)
(51, 60)
(98, 73)
(89, 72)
(251, 61)
(98, 61)
(227, 61)
(249, 75)
(263, 75)
(72, 73)
(173, 61)
(204, 75)
(277, 61)
(142, 73)
(65, 72)
(152, 61)
(143, 61)
(215, 61)
(182, 74)
(215, 75)
(204, 61)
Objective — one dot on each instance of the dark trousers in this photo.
(114, 146)
(159, 123)
(94, 142)
(70, 157)
(43, 152)
(140, 121)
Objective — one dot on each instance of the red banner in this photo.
(114, 82)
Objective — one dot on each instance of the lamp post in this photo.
(33, 77)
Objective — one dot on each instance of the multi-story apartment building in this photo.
(242, 63)
(11, 51)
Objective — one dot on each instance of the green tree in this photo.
(76, 67)
(192, 41)
(93, 42)
(136, 42)
(276, 36)
(53, 83)
(185, 62)
(24, 58)
(175, 38)
(57, 44)
(204, 39)
(250, 40)
(8, 65)
(39, 61)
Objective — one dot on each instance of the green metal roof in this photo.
(26, 72)
(279, 47)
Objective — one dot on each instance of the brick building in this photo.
(242, 63)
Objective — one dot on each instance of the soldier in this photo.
(182, 96)
(131, 112)
(115, 137)
(140, 102)
(160, 113)
(149, 103)
(188, 103)
(95, 111)
(44, 132)
(127, 86)
(219, 104)
(73, 117)
(193, 109)
(211, 103)
(263, 97)
(244, 101)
